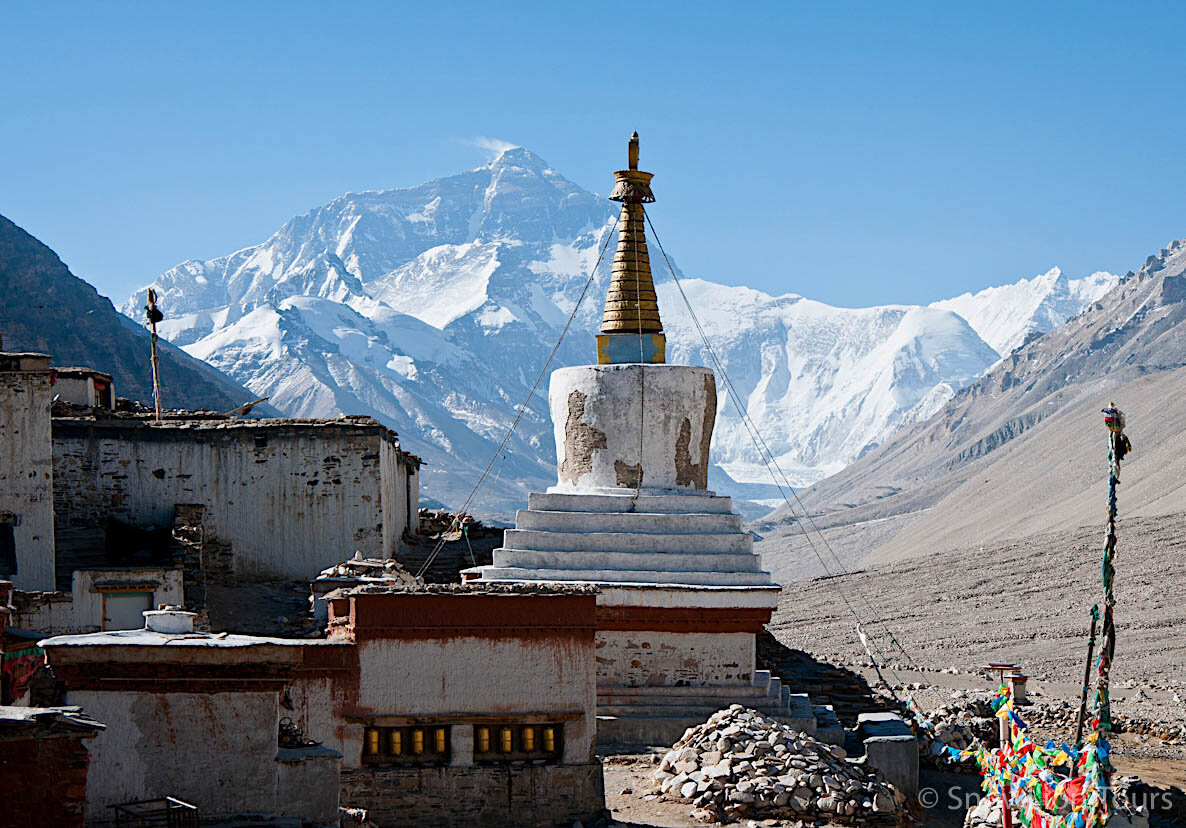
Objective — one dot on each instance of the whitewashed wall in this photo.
(290, 499)
(26, 474)
(649, 659)
(458, 675)
(216, 750)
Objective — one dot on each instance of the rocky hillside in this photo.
(44, 307)
(433, 308)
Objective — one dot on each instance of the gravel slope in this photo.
(1023, 600)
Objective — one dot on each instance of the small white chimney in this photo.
(168, 619)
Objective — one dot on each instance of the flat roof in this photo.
(75, 370)
(470, 589)
(36, 721)
(24, 362)
(150, 638)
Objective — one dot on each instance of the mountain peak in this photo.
(520, 157)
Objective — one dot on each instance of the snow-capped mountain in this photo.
(1007, 316)
(433, 308)
(824, 384)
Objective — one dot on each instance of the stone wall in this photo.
(26, 473)
(481, 795)
(284, 499)
(44, 781)
(647, 659)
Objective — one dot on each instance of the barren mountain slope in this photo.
(1054, 476)
(44, 307)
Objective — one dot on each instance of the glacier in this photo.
(433, 309)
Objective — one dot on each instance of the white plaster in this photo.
(77, 387)
(26, 470)
(82, 611)
(624, 501)
(76, 390)
(303, 499)
(638, 522)
(649, 595)
(629, 541)
(120, 639)
(462, 675)
(619, 400)
(216, 750)
(171, 621)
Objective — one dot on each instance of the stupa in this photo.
(682, 592)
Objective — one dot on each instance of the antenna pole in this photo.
(154, 315)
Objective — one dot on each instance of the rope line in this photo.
(771, 465)
(642, 383)
(523, 408)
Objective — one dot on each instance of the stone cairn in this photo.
(958, 724)
(743, 764)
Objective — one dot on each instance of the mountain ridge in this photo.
(45, 307)
(1021, 450)
(492, 261)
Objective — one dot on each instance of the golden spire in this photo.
(631, 306)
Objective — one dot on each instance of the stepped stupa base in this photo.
(682, 599)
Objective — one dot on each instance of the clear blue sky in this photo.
(855, 153)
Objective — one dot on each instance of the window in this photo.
(406, 745)
(124, 610)
(511, 742)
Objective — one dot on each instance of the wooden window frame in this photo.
(416, 745)
(534, 742)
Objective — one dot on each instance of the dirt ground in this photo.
(1025, 601)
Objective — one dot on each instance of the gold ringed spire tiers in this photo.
(631, 330)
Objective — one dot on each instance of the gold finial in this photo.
(631, 306)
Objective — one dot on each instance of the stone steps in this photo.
(827, 726)
(737, 543)
(627, 576)
(646, 523)
(551, 559)
(649, 504)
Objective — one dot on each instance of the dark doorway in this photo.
(7, 551)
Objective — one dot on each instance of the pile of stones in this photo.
(741, 763)
(1062, 718)
(958, 724)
